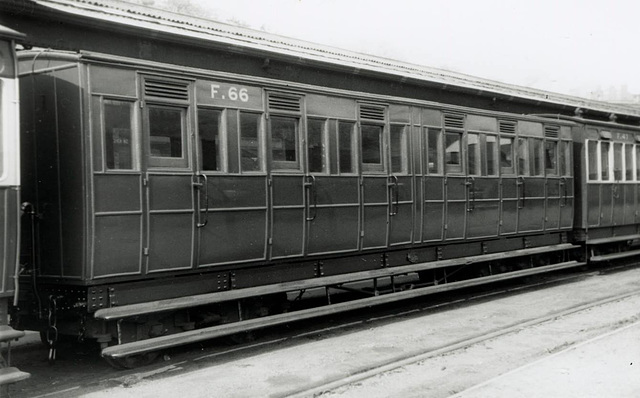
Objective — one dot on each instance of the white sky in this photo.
(566, 46)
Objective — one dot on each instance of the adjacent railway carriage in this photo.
(185, 179)
(9, 199)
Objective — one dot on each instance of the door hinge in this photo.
(145, 251)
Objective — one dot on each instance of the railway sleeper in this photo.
(135, 348)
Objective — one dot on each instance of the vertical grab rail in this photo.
(310, 190)
(471, 193)
(198, 185)
(394, 205)
(563, 189)
(521, 192)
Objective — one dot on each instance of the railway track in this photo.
(389, 366)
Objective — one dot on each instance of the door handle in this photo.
(198, 185)
(394, 190)
(521, 192)
(471, 193)
(310, 190)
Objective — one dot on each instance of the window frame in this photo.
(135, 135)
(286, 165)
(405, 154)
(324, 142)
(260, 137)
(183, 162)
(222, 138)
(373, 168)
(353, 145)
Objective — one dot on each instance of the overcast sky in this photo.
(566, 46)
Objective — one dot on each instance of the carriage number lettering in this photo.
(232, 93)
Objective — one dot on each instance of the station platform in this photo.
(605, 366)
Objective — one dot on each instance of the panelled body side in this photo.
(170, 174)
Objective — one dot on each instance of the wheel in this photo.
(133, 361)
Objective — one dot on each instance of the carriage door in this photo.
(455, 181)
(556, 183)
(482, 183)
(400, 180)
(287, 179)
(531, 179)
(169, 175)
(376, 183)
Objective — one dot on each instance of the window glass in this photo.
(452, 152)
(506, 155)
(618, 172)
(346, 143)
(250, 154)
(119, 146)
(537, 154)
(492, 158)
(434, 149)
(371, 137)
(316, 146)
(167, 140)
(592, 161)
(564, 158)
(604, 160)
(628, 162)
(399, 153)
(551, 157)
(209, 129)
(473, 154)
(523, 156)
(637, 162)
(284, 142)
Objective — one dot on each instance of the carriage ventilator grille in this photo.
(370, 112)
(284, 102)
(166, 89)
(507, 127)
(454, 121)
(551, 131)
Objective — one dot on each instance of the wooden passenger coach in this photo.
(185, 176)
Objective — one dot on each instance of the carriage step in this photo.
(7, 333)
(12, 375)
(193, 336)
(614, 256)
(132, 310)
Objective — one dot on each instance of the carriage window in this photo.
(551, 157)
(434, 145)
(399, 151)
(537, 157)
(452, 152)
(492, 158)
(592, 155)
(506, 155)
(628, 162)
(316, 146)
(564, 158)
(637, 162)
(523, 156)
(473, 154)
(604, 161)
(119, 148)
(617, 162)
(209, 129)
(167, 136)
(250, 154)
(346, 143)
(284, 142)
(371, 137)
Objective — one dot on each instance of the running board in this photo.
(193, 336)
(173, 304)
(614, 256)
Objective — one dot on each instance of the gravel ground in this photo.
(296, 369)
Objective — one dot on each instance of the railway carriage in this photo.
(186, 179)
